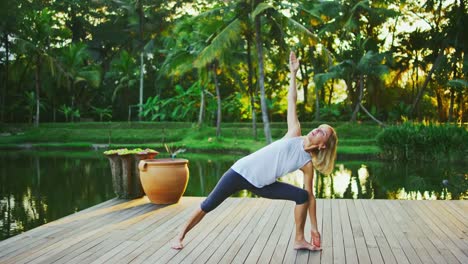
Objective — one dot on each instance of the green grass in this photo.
(236, 137)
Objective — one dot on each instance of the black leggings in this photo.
(232, 182)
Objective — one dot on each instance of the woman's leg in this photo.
(230, 183)
(284, 191)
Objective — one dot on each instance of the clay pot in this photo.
(164, 180)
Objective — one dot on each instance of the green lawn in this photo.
(236, 137)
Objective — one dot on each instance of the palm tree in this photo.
(36, 44)
(73, 66)
(357, 53)
(11, 12)
(123, 73)
(245, 16)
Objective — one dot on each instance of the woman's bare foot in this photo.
(305, 245)
(315, 239)
(177, 244)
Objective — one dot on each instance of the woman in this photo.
(257, 173)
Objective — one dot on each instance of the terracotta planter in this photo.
(164, 180)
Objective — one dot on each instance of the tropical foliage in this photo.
(215, 61)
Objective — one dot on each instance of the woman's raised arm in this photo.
(294, 127)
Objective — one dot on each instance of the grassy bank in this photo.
(354, 139)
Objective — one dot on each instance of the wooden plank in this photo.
(92, 241)
(51, 252)
(256, 230)
(149, 227)
(291, 254)
(413, 233)
(45, 230)
(231, 253)
(389, 231)
(99, 250)
(399, 228)
(372, 247)
(71, 237)
(442, 232)
(462, 205)
(431, 243)
(456, 230)
(338, 243)
(456, 213)
(216, 236)
(121, 245)
(358, 234)
(266, 233)
(327, 236)
(314, 257)
(91, 210)
(438, 241)
(28, 243)
(114, 248)
(282, 246)
(379, 236)
(255, 205)
(160, 237)
(286, 217)
(348, 240)
(302, 256)
(252, 249)
(196, 235)
(177, 212)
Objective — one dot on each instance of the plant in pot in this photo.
(164, 180)
(125, 174)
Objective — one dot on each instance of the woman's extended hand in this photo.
(293, 62)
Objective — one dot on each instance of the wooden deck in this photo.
(249, 230)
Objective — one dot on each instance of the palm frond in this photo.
(313, 39)
(260, 8)
(220, 43)
(459, 84)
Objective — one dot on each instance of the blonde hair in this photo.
(324, 160)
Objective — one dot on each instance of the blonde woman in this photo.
(259, 171)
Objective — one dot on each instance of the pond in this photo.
(39, 187)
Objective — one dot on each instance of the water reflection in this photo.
(354, 179)
(36, 188)
(39, 187)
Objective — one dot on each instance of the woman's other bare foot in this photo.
(305, 245)
(177, 244)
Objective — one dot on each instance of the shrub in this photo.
(423, 142)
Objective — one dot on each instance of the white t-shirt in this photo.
(267, 164)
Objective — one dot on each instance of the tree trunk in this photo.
(359, 99)
(317, 104)
(251, 88)
(38, 88)
(460, 107)
(218, 100)
(140, 29)
(4, 88)
(416, 68)
(426, 81)
(452, 101)
(140, 109)
(370, 115)
(201, 114)
(440, 105)
(261, 80)
(331, 91)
